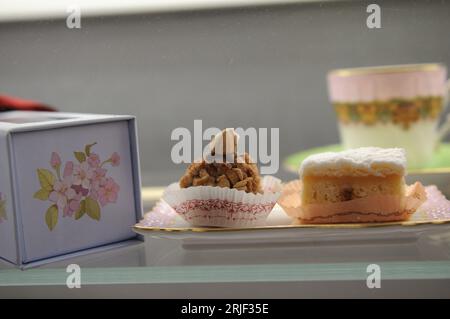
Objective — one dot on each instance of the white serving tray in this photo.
(281, 242)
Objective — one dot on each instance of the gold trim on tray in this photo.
(402, 112)
(387, 69)
(329, 226)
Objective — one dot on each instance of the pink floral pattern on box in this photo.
(3, 215)
(82, 187)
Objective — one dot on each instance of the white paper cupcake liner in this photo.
(223, 207)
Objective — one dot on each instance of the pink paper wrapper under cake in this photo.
(161, 215)
(435, 209)
(223, 207)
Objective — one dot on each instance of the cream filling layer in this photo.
(415, 195)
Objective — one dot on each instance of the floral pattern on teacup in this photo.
(403, 112)
(80, 188)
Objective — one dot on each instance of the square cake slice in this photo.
(359, 185)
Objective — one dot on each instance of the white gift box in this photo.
(68, 183)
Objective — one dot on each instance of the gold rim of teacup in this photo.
(387, 69)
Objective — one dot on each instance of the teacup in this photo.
(392, 106)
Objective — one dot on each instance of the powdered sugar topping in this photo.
(365, 161)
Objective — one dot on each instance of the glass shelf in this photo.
(227, 274)
(127, 265)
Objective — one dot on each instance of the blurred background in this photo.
(229, 63)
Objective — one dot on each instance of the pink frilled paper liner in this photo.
(215, 206)
(436, 207)
(161, 215)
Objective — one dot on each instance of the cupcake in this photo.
(224, 189)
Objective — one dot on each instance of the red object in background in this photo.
(9, 103)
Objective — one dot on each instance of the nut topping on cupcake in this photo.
(229, 170)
